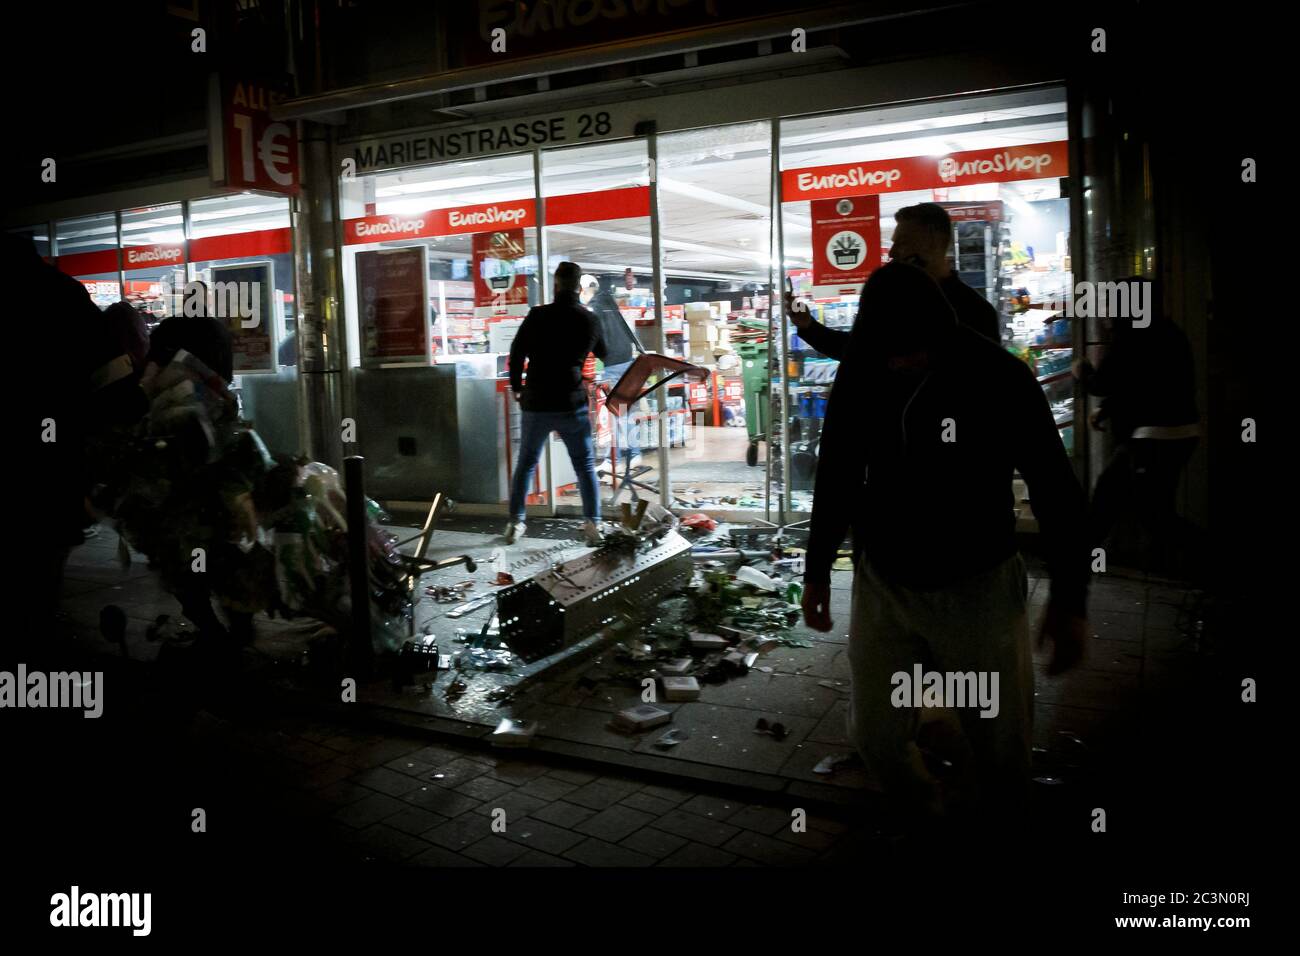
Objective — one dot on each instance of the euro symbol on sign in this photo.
(273, 150)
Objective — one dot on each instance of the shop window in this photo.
(997, 163)
(250, 230)
(153, 259)
(87, 250)
(439, 266)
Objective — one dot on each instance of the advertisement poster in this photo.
(393, 306)
(846, 244)
(500, 284)
(245, 296)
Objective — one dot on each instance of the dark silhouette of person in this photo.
(1147, 384)
(63, 402)
(926, 425)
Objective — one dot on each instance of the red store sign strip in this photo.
(240, 245)
(88, 263)
(972, 167)
(628, 203)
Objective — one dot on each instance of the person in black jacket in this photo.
(205, 337)
(621, 347)
(555, 340)
(923, 238)
(1147, 383)
(926, 424)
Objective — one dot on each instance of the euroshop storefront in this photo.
(448, 236)
(145, 255)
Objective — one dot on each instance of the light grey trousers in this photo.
(942, 761)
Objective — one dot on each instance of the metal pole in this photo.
(661, 343)
(543, 274)
(121, 269)
(322, 342)
(780, 354)
(359, 645)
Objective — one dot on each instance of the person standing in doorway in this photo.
(554, 341)
(922, 238)
(621, 348)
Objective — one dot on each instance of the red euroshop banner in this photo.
(88, 263)
(151, 257)
(845, 243)
(1009, 164)
(628, 203)
(631, 202)
(498, 281)
(249, 149)
(242, 245)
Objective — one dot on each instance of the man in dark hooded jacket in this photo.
(927, 422)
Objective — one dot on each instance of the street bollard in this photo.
(361, 650)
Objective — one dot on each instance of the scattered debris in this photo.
(514, 733)
(672, 738)
(676, 668)
(640, 718)
(755, 578)
(699, 522)
(448, 593)
(472, 606)
(708, 642)
(681, 688)
(834, 762)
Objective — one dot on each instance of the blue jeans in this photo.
(625, 430)
(574, 429)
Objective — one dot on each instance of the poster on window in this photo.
(846, 244)
(244, 295)
(393, 307)
(500, 283)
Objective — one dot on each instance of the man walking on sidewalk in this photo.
(926, 425)
(555, 340)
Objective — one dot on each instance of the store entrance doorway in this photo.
(716, 225)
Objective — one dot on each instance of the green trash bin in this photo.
(753, 370)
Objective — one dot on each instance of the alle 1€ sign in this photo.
(248, 149)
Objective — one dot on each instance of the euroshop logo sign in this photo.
(491, 216)
(142, 257)
(853, 177)
(392, 226)
(953, 169)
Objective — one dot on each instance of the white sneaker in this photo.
(514, 531)
(591, 534)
